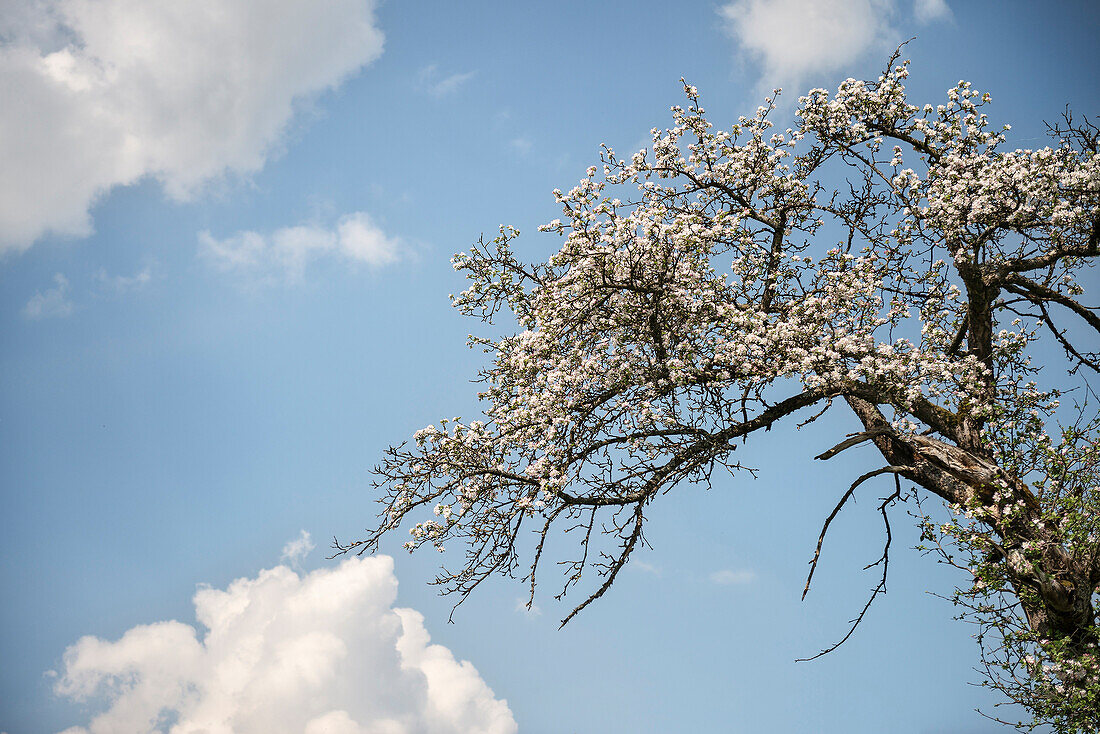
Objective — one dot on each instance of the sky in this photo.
(225, 241)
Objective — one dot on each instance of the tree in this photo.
(878, 257)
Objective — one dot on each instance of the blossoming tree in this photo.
(879, 257)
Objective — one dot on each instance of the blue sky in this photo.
(224, 275)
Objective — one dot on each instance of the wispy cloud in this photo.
(646, 567)
(730, 577)
(521, 144)
(437, 84)
(321, 653)
(794, 39)
(125, 283)
(102, 94)
(285, 253)
(295, 551)
(52, 303)
(531, 611)
(927, 11)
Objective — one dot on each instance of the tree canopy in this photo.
(886, 258)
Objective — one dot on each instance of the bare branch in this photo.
(880, 588)
(836, 510)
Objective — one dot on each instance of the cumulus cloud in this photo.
(323, 653)
(792, 39)
(440, 85)
(51, 303)
(101, 93)
(286, 252)
(730, 577)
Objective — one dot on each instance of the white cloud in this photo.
(645, 567)
(359, 239)
(125, 283)
(295, 551)
(729, 577)
(437, 85)
(286, 252)
(101, 93)
(50, 303)
(521, 145)
(324, 653)
(527, 607)
(927, 11)
(791, 39)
